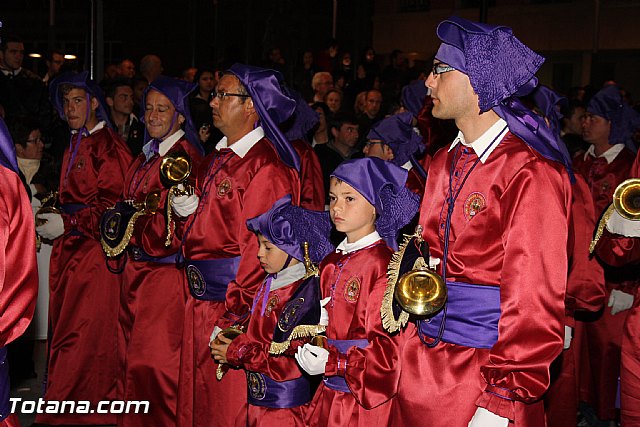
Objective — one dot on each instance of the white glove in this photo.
(622, 226)
(568, 334)
(433, 262)
(324, 314)
(620, 301)
(484, 418)
(312, 359)
(214, 334)
(184, 206)
(53, 228)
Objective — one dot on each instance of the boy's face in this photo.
(271, 257)
(350, 211)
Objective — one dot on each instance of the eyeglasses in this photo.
(223, 95)
(440, 68)
(34, 141)
(370, 143)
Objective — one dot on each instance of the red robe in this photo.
(84, 295)
(18, 268)
(356, 283)
(415, 182)
(508, 229)
(311, 180)
(618, 251)
(585, 292)
(152, 302)
(250, 351)
(603, 337)
(242, 189)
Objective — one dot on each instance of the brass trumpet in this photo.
(626, 199)
(48, 205)
(175, 169)
(150, 203)
(421, 291)
(232, 332)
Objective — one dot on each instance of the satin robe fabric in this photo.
(415, 182)
(585, 292)
(84, 295)
(356, 283)
(250, 352)
(516, 241)
(242, 189)
(618, 251)
(603, 337)
(18, 267)
(152, 301)
(312, 193)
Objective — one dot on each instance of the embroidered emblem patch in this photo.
(257, 386)
(290, 314)
(80, 163)
(352, 290)
(271, 303)
(224, 188)
(473, 205)
(112, 229)
(196, 281)
(606, 186)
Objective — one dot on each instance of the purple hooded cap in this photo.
(383, 185)
(303, 120)
(271, 104)
(497, 63)
(548, 102)
(82, 81)
(608, 103)
(413, 96)
(178, 93)
(288, 227)
(7, 149)
(501, 69)
(398, 133)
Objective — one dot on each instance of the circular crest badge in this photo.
(271, 304)
(224, 188)
(257, 386)
(290, 314)
(474, 204)
(352, 290)
(112, 226)
(196, 281)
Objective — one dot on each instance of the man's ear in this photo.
(334, 132)
(94, 104)
(249, 107)
(388, 152)
(181, 119)
(109, 101)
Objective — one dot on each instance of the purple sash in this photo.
(208, 279)
(473, 312)
(5, 405)
(336, 382)
(138, 254)
(72, 208)
(263, 391)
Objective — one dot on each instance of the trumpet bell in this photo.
(421, 292)
(43, 210)
(626, 199)
(151, 202)
(175, 168)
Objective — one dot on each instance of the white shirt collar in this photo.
(168, 142)
(495, 132)
(609, 155)
(288, 276)
(408, 165)
(7, 71)
(244, 144)
(95, 129)
(359, 244)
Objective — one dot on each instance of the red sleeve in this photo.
(585, 287)
(271, 182)
(18, 268)
(534, 223)
(312, 194)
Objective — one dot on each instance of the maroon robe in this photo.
(509, 230)
(18, 268)
(356, 282)
(250, 351)
(585, 292)
(152, 301)
(311, 180)
(84, 295)
(603, 337)
(243, 188)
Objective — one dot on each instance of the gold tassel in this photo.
(389, 322)
(603, 222)
(300, 331)
(112, 252)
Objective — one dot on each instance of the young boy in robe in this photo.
(286, 310)
(369, 203)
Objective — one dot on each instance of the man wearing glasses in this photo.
(252, 166)
(496, 216)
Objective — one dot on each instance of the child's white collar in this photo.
(359, 244)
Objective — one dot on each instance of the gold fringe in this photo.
(112, 252)
(389, 322)
(300, 331)
(603, 222)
